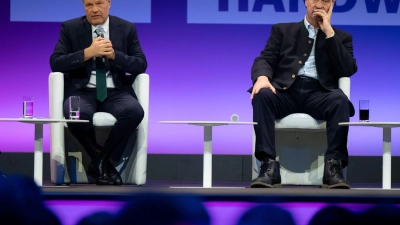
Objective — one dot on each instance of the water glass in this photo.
(74, 107)
(27, 107)
(364, 110)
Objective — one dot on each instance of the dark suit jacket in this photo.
(76, 35)
(288, 49)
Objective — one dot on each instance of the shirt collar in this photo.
(308, 25)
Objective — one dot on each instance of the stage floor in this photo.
(225, 202)
(238, 191)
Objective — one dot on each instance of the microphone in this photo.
(234, 118)
(100, 32)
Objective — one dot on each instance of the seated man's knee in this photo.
(135, 113)
(339, 101)
(264, 93)
(339, 98)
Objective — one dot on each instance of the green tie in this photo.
(101, 84)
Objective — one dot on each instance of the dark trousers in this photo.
(125, 108)
(306, 95)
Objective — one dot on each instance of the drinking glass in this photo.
(27, 106)
(364, 110)
(74, 107)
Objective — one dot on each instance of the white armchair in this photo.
(300, 144)
(68, 160)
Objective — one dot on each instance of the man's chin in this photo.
(317, 18)
(96, 21)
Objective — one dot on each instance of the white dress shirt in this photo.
(109, 80)
(309, 69)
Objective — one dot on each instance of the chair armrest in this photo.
(142, 87)
(57, 145)
(56, 95)
(344, 84)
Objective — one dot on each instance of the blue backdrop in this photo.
(199, 59)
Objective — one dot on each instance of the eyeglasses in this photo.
(325, 2)
(97, 5)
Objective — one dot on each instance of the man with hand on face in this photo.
(95, 52)
(298, 72)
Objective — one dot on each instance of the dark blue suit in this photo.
(287, 49)
(68, 57)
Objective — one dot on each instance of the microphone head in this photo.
(100, 30)
(234, 118)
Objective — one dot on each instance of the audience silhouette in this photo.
(333, 215)
(22, 203)
(381, 214)
(164, 209)
(266, 215)
(98, 218)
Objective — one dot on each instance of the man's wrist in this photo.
(263, 77)
(333, 34)
(87, 54)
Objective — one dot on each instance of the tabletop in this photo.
(371, 124)
(41, 120)
(208, 123)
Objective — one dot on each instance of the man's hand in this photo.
(324, 19)
(100, 47)
(262, 82)
(109, 53)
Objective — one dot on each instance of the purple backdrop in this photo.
(197, 72)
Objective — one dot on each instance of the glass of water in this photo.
(74, 102)
(27, 107)
(364, 110)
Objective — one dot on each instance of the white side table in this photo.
(207, 160)
(387, 147)
(38, 154)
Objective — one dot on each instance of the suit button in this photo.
(284, 88)
(293, 76)
(305, 55)
(300, 62)
(309, 42)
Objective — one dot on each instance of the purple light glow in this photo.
(225, 213)
(72, 211)
(221, 213)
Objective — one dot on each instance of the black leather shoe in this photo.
(270, 175)
(113, 174)
(102, 177)
(333, 175)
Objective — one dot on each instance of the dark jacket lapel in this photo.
(85, 34)
(116, 33)
(117, 39)
(85, 40)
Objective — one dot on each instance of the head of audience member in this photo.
(164, 209)
(98, 218)
(22, 203)
(97, 11)
(266, 215)
(332, 215)
(381, 214)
